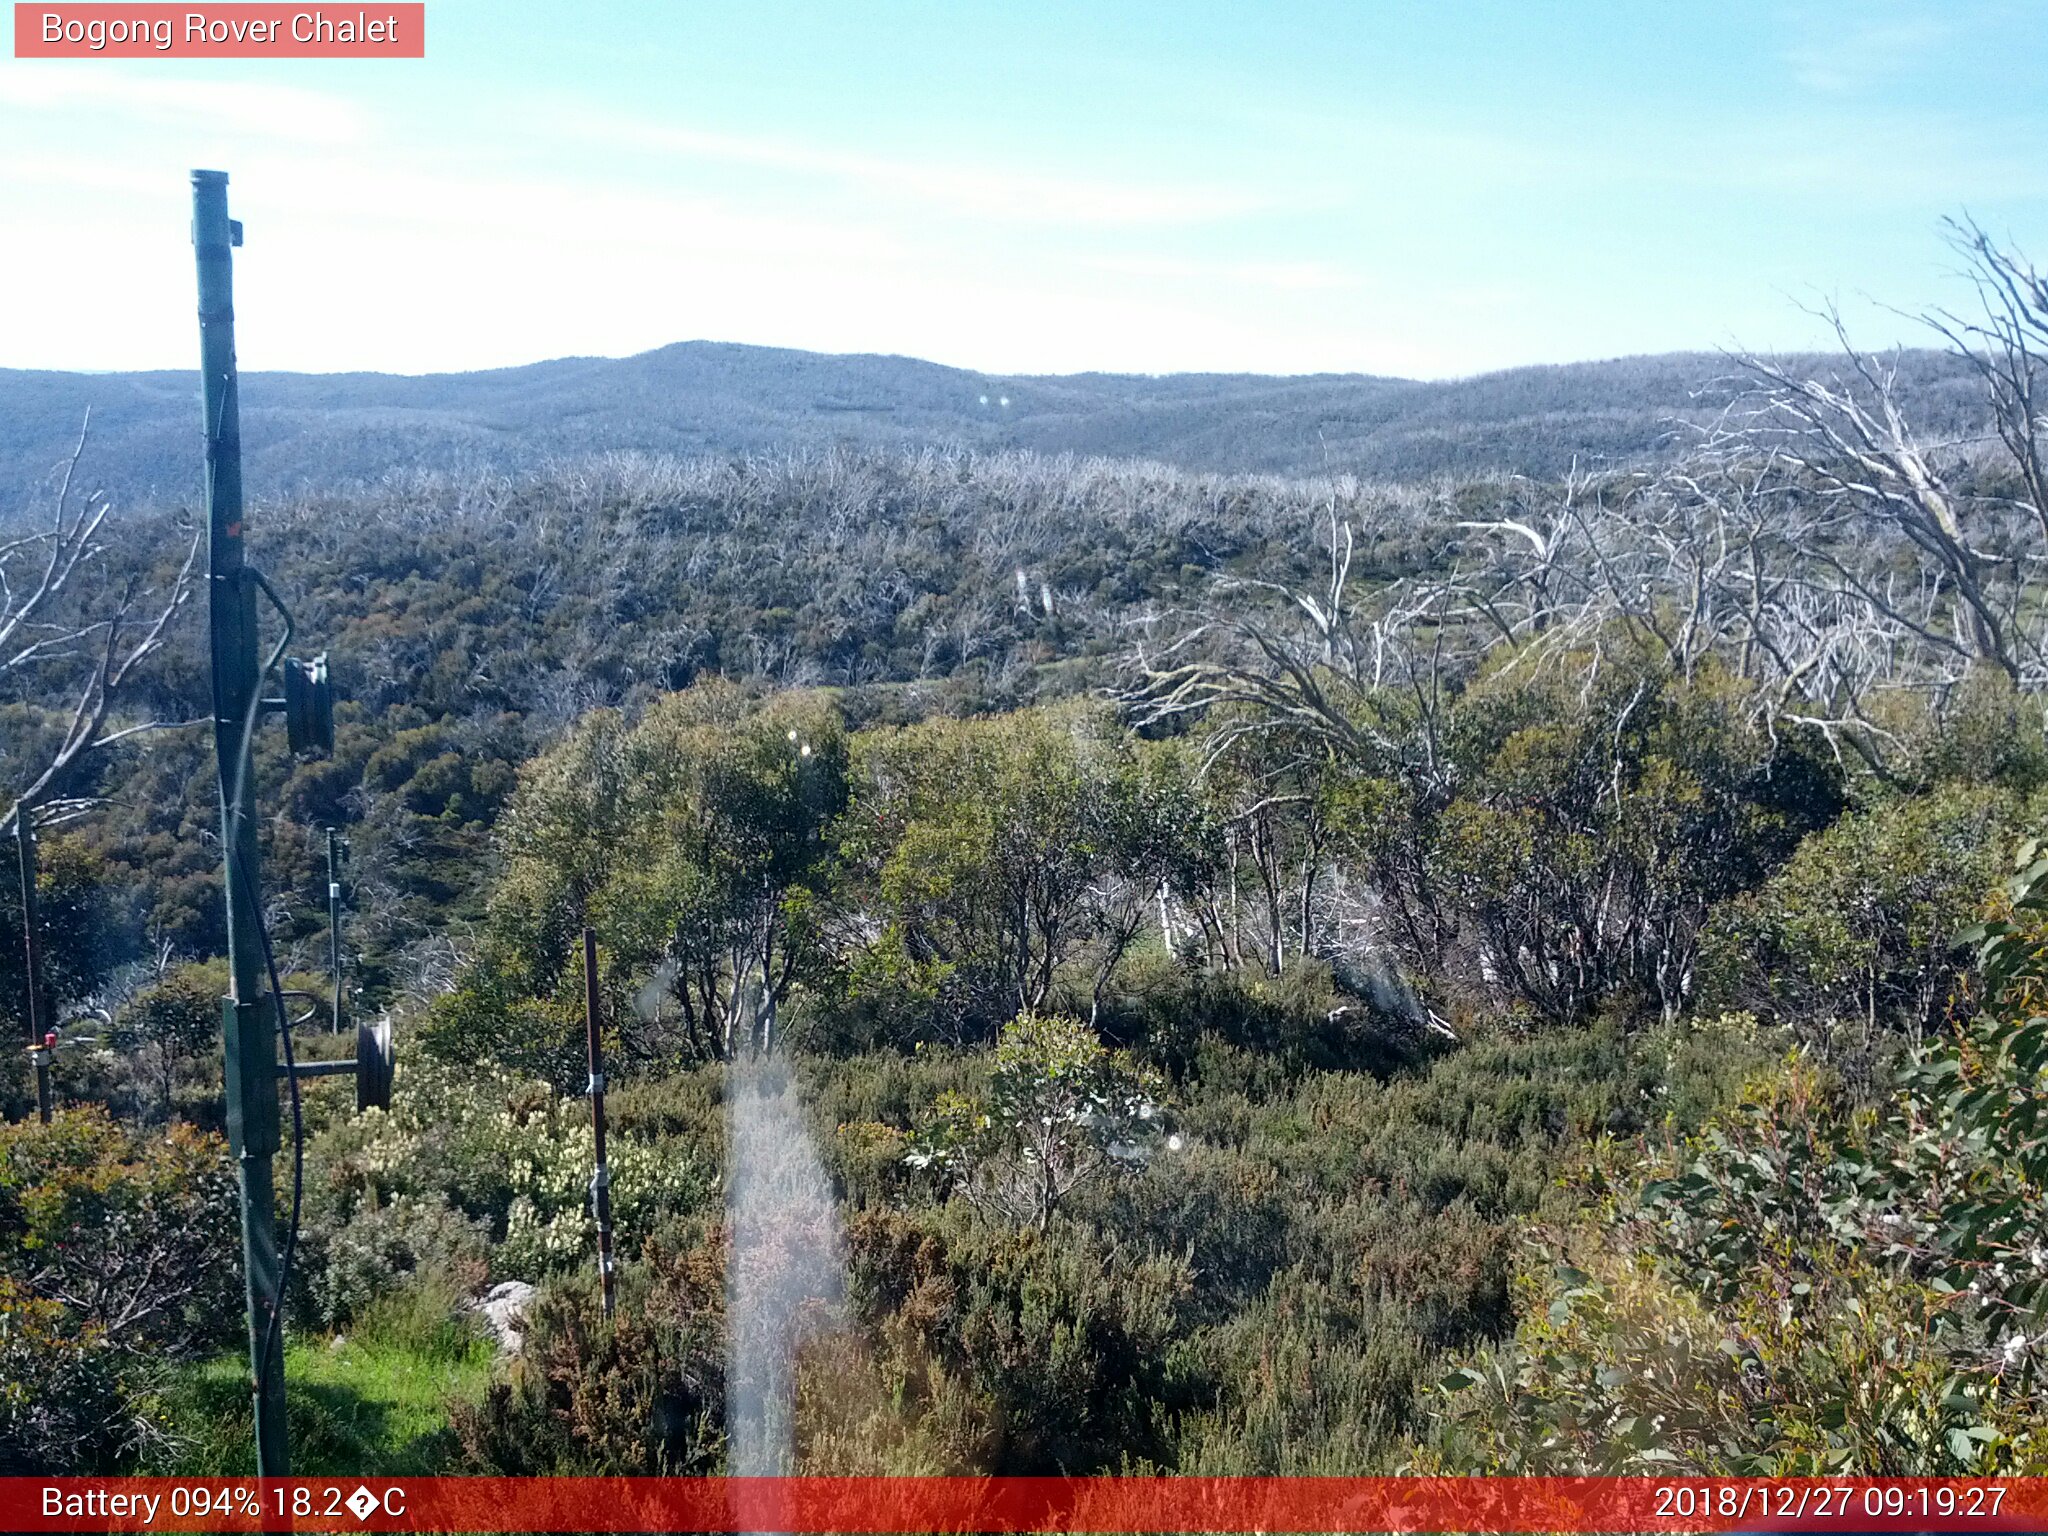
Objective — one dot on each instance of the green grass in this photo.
(373, 1400)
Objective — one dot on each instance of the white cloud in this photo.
(1291, 276)
(981, 192)
(385, 234)
(1843, 53)
(103, 90)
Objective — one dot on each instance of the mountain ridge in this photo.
(305, 430)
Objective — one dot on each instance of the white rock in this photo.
(504, 1309)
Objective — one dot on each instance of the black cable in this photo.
(291, 1234)
(286, 1255)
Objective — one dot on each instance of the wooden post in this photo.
(601, 1180)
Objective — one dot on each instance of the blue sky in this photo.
(1270, 185)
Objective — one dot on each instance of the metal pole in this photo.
(334, 919)
(31, 943)
(601, 1181)
(248, 1022)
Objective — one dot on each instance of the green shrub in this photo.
(84, 936)
(507, 1155)
(117, 1254)
(1058, 1343)
(1988, 733)
(167, 1023)
(694, 840)
(1224, 1210)
(1303, 1385)
(641, 1394)
(1055, 1112)
(346, 1270)
(1859, 927)
(1299, 1021)
(135, 1233)
(685, 1106)
(67, 1400)
(1807, 1287)
(1594, 829)
(996, 863)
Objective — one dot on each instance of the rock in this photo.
(504, 1310)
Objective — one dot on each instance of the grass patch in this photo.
(373, 1400)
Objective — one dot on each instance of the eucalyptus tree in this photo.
(694, 842)
(729, 862)
(1812, 569)
(989, 862)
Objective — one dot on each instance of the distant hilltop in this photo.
(697, 397)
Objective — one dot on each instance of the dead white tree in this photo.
(2007, 344)
(58, 642)
(1848, 444)
(1356, 670)
(1813, 540)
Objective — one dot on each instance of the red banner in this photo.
(1013, 1504)
(262, 31)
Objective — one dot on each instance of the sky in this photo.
(1279, 186)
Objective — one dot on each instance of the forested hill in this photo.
(703, 397)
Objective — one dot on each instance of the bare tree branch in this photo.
(40, 628)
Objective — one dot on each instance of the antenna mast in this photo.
(249, 1023)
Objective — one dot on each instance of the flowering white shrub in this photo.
(507, 1151)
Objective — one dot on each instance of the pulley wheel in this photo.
(374, 1065)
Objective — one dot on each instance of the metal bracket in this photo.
(250, 1037)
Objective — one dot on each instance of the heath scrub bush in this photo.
(1856, 934)
(1809, 1285)
(117, 1256)
(1019, 1352)
(69, 1398)
(639, 1394)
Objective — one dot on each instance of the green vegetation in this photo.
(1056, 1114)
(1807, 1286)
(377, 1397)
(116, 1250)
(1477, 988)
